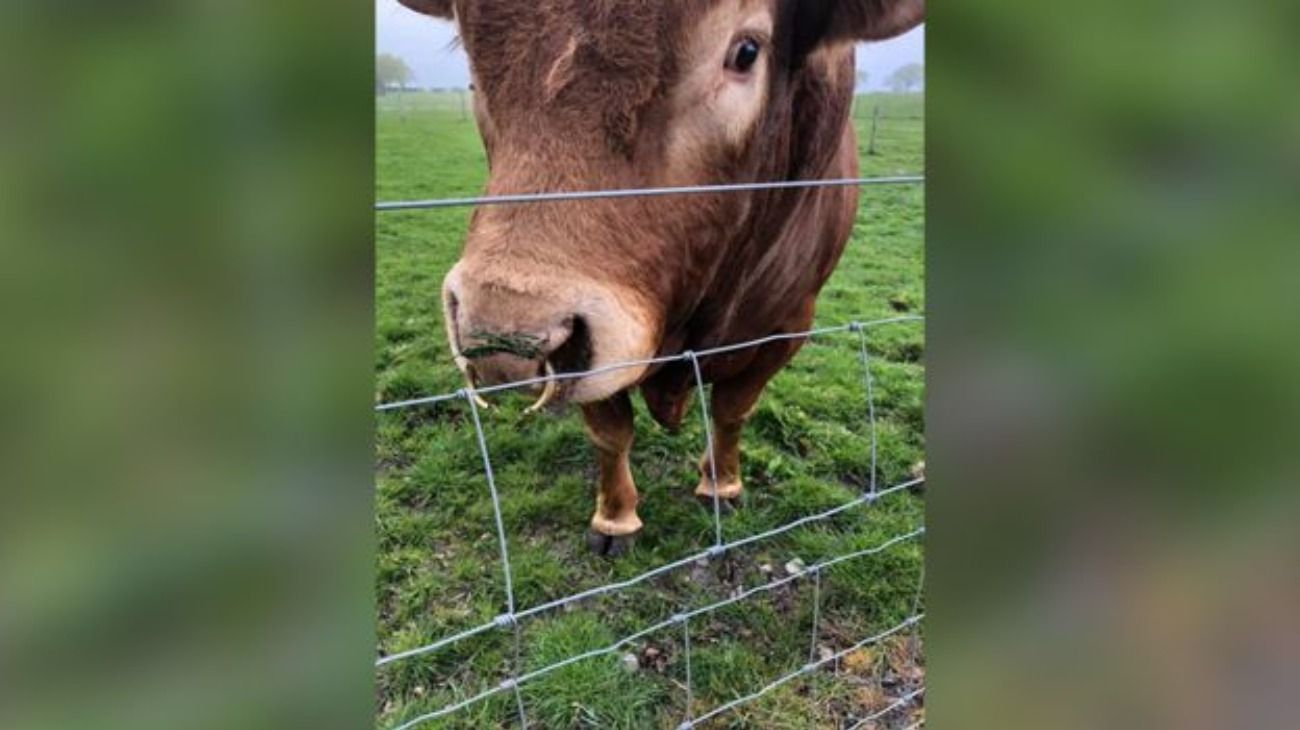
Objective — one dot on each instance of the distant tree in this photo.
(390, 71)
(862, 79)
(906, 77)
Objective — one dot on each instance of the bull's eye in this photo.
(743, 55)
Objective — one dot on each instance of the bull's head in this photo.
(599, 94)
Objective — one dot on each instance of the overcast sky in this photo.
(425, 44)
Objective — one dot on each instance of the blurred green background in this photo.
(185, 228)
(1114, 317)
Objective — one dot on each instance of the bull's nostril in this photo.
(574, 354)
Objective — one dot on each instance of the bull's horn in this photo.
(468, 372)
(548, 391)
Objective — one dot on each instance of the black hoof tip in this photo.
(725, 506)
(609, 546)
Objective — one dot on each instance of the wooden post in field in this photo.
(875, 117)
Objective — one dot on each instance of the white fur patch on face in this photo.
(714, 107)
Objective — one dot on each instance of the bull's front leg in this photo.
(731, 404)
(615, 523)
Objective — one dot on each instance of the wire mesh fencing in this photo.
(512, 616)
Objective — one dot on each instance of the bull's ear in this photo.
(828, 21)
(436, 8)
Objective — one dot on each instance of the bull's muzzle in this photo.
(488, 357)
(505, 327)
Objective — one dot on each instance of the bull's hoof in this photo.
(726, 505)
(609, 546)
(729, 491)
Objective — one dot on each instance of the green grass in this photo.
(805, 450)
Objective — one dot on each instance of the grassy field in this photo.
(805, 450)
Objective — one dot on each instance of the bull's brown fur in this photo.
(579, 94)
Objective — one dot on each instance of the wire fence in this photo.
(644, 192)
(512, 617)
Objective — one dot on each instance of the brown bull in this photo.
(600, 94)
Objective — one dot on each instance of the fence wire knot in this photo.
(505, 621)
(855, 326)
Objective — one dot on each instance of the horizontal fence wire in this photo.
(643, 192)
(801, 671)
(897, 704)
(512, 617)
(683, 357)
